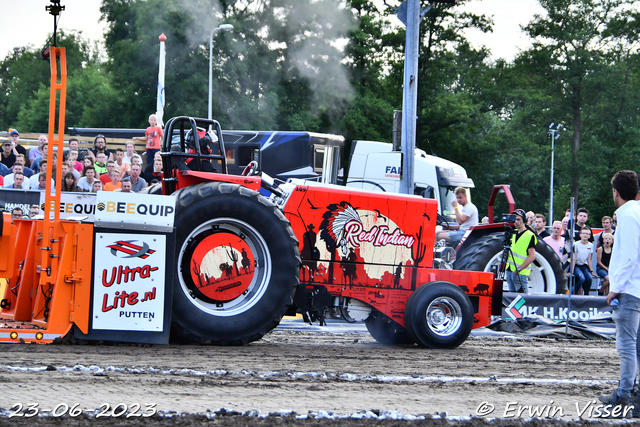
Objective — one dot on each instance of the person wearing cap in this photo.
(8, 156)
(523, 253)
(14, 137)
(466, 215)
(624, 289)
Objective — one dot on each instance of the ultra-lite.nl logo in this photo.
(130, 249)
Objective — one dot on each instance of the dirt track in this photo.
(309, 371)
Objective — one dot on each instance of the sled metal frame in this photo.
(47, 263)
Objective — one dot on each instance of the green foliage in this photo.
(91, 102)
(23, 73)
(575, 49)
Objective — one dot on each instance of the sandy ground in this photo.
(308, 371)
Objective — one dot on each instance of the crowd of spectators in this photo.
(581, 266)
(578, 259)
(99, 169)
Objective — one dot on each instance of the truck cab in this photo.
(375, 166)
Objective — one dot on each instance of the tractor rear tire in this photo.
(547, 275)
(238, 265)
(385, 330)
(439, 315)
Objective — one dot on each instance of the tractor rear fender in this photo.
(191, 178)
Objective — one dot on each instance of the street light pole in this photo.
(410, 95)
(553, 133)
(223, 27)
(410, 14)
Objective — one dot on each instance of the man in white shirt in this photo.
(8, 180)
(466, 216)
(34, 181)
(18, 182)
(625, 288)
(86, 182)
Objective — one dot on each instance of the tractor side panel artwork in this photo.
(375, 247)
(356, 237)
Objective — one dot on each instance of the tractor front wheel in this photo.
(439, 315)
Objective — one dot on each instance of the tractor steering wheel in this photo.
(441, 220)
(250, 169)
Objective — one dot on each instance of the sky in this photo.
(27, 22)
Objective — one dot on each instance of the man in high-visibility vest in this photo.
(523, 252)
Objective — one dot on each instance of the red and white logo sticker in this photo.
(131, 249)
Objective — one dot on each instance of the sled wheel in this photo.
(238, 264)
(546, 276)
(439, 315)
(385, 330)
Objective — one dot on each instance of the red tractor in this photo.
(249, 252)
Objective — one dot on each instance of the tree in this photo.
(23, 72)
(91, 102)
(452, 113)
(279, 68)
(575, 47)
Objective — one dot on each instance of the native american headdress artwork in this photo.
(333, 225)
